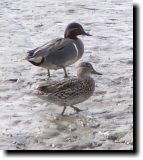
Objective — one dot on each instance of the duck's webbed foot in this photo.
(76, 109)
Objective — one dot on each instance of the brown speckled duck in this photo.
(60, 52)
(72, 91)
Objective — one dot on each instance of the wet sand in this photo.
(28, 122)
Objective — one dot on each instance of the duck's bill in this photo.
(87, 34)
(95, 72)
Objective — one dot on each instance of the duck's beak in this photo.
(95, 72)
(87, 34)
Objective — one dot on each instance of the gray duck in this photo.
(60, 52)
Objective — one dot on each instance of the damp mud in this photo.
(29, 123)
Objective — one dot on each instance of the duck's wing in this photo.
(58, 86)
(70, 90)
(50, 47)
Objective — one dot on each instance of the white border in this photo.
(139, 3)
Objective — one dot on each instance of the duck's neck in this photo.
(82, 75)
(70, 34)
(88, 80)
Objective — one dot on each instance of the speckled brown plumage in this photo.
(72, 91)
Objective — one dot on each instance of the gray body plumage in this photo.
(60, 52)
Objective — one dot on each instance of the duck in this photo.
(60, 52)
(72, 91)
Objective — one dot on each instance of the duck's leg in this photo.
(76, 109)
(66, 75)
(64, 68)
(63, 110)
(49, 73)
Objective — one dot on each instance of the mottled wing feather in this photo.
(58, 86)
(66, 84)
(70, 89)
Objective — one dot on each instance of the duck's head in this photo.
(73, 30)
(85, 69)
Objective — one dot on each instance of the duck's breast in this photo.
(80, 47)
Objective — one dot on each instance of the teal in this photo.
(72, 91)
(61, 52)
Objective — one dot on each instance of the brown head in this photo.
(73, 30)
(85, 69)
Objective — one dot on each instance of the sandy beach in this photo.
(29, 123)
